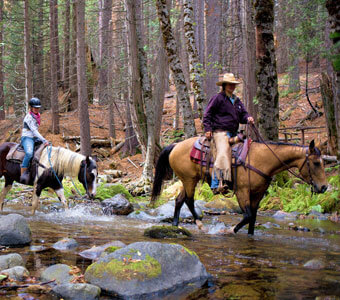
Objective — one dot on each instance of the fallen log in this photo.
(117, 147)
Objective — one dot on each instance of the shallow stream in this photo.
(269, 265)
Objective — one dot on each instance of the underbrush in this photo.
(290, 197)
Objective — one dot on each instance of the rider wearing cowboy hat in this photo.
(221, 120)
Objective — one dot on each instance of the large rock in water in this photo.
(14, 230)
(146, 269)
(117, 205)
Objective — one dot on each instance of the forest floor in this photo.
(293, 108)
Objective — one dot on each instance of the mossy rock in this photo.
(129, 269)
(105, 192)
(162, 232)
(233, 291)
(222, 204)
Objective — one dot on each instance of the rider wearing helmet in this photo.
(30, 135)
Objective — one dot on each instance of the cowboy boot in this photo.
(25, 176)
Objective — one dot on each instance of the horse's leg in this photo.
(61, 197)
(178, 205)
(5, 190)
(35, 198)
(244, 202)
(255, 201)
(190, 186)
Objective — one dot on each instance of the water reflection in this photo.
(266, 266)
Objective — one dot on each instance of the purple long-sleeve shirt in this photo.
(222, 114)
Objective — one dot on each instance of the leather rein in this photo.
(311, 181)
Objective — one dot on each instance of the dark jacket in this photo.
(221, 114)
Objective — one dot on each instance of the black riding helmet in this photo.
(34, 102)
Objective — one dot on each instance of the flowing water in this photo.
(269, 265)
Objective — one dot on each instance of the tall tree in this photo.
(175, 66)
(267, 91)
(73, 62)
(333, 8)
(53, 68)
(2, 98)
(195, 66)
(212, 45)
(38, 55)
(249, 86)
(83, 111)
(67, 32)
(105, 36)
(27, 53)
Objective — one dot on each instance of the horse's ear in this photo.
(88, 161)
(312, 147)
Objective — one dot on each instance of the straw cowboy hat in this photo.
(228, 78)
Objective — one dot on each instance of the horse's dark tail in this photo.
(163, 171)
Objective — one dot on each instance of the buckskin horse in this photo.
(49, 171)
(264, 160)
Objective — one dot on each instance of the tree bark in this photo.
(267, 91)
(56, 41)
(195, 65)
(85, 136)
(2, 97)
(328, 103)
(39, 59)
(66, 77)
(249, 85)
(333, 8)
(73, 63)
(27, 54)
(212, 44)
(175, 66)
(105, 37)
(53, 68)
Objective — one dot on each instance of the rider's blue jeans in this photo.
(214, 180)
(28, 145)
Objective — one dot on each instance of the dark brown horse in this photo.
(54, 164)
(176, 157)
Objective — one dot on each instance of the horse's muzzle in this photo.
(318, 190)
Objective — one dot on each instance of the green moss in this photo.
(203, 192)
(111, 249)
(190, 251)
(105, 192)
(161, 232)
(129, 269)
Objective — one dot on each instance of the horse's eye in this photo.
(317, 164)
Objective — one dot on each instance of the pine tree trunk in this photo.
(175, 66)
(267, 91)
(73, 104)
(56, 41)
(328, 104)
(39, 59)
(53, 68)
(83, 112)
(66, 76)
(249, 86)
(212, 44)
(2, 98)
(333, 7)
(105, 36)
(136, 100)
(195, 66)
(27, 54)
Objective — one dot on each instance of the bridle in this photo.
(310, 181)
